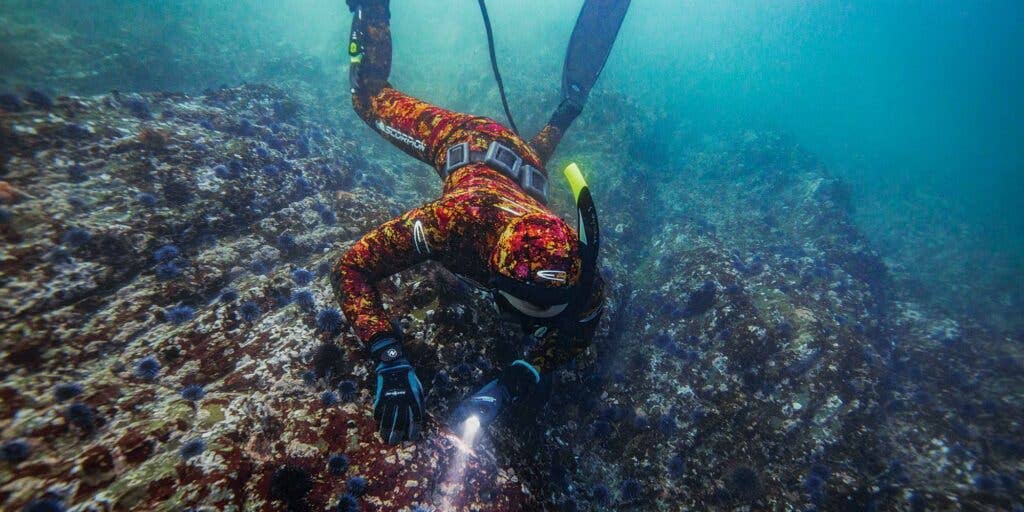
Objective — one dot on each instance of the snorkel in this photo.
(589, 235)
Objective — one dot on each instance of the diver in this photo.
(490, 227)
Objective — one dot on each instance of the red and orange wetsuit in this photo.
(462, 228)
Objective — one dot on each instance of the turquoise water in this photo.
(917, 104)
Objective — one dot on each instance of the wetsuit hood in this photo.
(538, 251)
(541, 268)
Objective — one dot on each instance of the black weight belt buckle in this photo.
(506, 161)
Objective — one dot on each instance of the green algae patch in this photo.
(353, 441)
(132, 487)
(178, 410)
(210, 415)
(772, 298)
(420, 314)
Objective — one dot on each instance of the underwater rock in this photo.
(169, 332)
(176, 307)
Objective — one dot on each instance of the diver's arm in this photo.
(561, 344)
(394, 246)
(521, 378)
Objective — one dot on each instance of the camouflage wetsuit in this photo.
(462, 228)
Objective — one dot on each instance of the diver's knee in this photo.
(363, 105)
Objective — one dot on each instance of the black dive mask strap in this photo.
(534, 294)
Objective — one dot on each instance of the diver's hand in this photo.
(516, 381)
(485, 404)
(398, 406)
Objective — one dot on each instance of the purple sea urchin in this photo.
(66, 391)
(45, 505)
(329, 320)
(180, 314)
(337, 464)
(259, 266)
(291, 484)
(15, 451)
(356, 485)
(302, 277)
(304, 298)
(168, 271)
(76, 237)
(328, 398)
(328, 361)
(77, 173)
(147, 368)
(10, 102)
(81, 416)
(40, 99)
(286, 243)
(347, 390)
(166, 253)
(249, 311)
(193, 392)
(347, 503)
(192, 448)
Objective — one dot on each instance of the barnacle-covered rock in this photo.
(754, 351)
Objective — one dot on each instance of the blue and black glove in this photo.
(398, 406)
(515, 382)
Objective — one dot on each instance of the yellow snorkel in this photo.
(587, 226)
(576, 181)
(585, 210)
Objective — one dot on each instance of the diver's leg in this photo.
(592, 38)
(416, 127)
(369, 50)
(547, 139)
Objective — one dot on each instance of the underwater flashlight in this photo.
(472, 426)
(470, 430)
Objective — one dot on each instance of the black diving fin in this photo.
(591, 42)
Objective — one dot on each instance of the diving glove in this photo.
(515, 382)
(398, 406)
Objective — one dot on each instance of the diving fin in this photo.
(591, 42)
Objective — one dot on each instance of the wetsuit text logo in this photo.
(401, 137)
